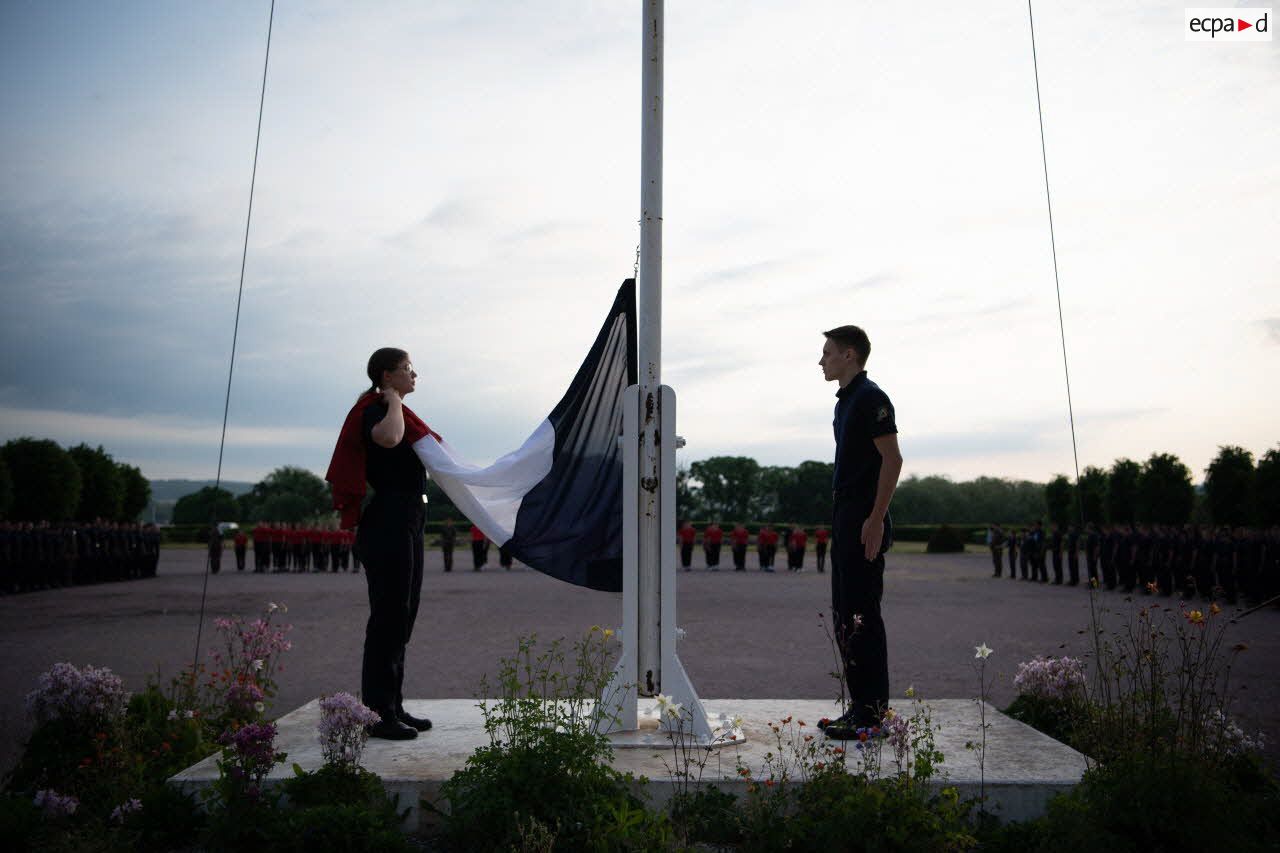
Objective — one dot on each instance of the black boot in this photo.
(390, 728)
(421, 724)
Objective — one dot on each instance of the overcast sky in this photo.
(461, 179)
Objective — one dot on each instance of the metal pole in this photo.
(649, 363)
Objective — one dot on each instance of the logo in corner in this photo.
(1227, 25)
(882, 414)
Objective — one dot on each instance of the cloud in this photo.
(75, 427)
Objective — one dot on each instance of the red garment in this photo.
(687, 535)
(740, 535)
(799, 539)
(822, 535)
(477, 535)
(241, 540)
(346, 471)
(768, 537)
(712, 534)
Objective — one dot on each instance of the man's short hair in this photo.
(852, 337)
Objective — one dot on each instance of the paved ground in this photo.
(749, 635)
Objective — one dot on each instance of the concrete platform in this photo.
(1024, 768)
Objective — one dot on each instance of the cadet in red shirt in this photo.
(241, 545)
(687, 536)
(738, 539)
(796, 548)
(261, 547)
(767, 545)
(712, 538)
(479, 548)
(820, 537)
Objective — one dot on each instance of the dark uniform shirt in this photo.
(863, 414)
(391, 470)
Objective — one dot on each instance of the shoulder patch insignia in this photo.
(882, 414)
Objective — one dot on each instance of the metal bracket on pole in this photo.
(624, 721)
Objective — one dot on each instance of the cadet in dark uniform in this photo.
(215, 549)
(1055, 548)
(1092, 547)
(1013, 553)
(448, 539)
(867, 465)
(995, 541)
(1073, 556)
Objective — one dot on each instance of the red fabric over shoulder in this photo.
(346, 474)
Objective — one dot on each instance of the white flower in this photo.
(272, 607)
(257, 664)
(982, 652)
(259, 707)
(674, 710)
(737, 722)
(191, 715)
(173, 715)
(663, 701)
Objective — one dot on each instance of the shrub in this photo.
(338, 807)
(545, 770)
(945, 540)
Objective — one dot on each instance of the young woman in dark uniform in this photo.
(380, 432)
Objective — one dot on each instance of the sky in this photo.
(461, 179)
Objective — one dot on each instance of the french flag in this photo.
(556, 502)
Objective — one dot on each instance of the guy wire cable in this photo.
(226, 404)
(1044, 159)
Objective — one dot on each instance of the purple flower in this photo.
(122, 811)
(342, 728)
(67, 692)
(55, 805)
(1050, 678)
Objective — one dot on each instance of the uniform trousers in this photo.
(857, 586)
(389, 543)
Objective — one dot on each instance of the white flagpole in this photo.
(649, 363)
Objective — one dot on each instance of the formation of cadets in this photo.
(1241, 563)
(282, 547)
(793, 538)
(40, 555)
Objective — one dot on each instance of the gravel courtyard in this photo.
(749, 635)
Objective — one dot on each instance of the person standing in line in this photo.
(504, 557)
(448, 539)
(479, 549)
(995, 541)
(867, 465)
(241, 544)
(1013, 553)
(738, 540)
(1073, 556)
(260, 547)
(688, 537)
(820, 537)
(797, 546)
(712, 539)
(215, 549)
(1055, 546)
(767, 541)
(376, 447)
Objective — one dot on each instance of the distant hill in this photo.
(165, 493)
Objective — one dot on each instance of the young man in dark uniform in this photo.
(867, 465)
(448, 539)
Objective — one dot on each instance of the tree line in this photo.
(1237, 492)
(42, 481)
